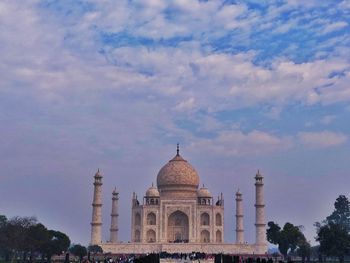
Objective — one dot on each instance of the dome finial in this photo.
(177, 149)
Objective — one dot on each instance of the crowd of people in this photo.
(183, 257)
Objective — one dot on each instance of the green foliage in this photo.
(95, 249)
(16, 233)
(333, 233)
(37, 236)
(273, 232)
(4, 251)
(341, 213)
(288, 239)
(56, 244)
(78, 250)
(3, 221)
(304, 250)
(334, 240)
(25, 236)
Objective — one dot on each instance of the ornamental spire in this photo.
(178, 149)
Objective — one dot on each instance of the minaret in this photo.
(260, 224)
(239, 219)
(96, 223)
(114, 217)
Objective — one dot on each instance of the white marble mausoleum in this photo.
(178, 216)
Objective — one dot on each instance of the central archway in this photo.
(178, 227)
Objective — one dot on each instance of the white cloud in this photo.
(274, 113)
(39, 59)
(295, 3)
(322, 139)
(309, 124)
(90, 101)
(328, 119)
(345, 4)
(209, 124)
(237, 143)
(334, 27)
(185, 105)
(192, 16)
(339, 91)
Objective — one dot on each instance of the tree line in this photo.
(28, 239)
(333, 235)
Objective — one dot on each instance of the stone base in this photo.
(213, 248)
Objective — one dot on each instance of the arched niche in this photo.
(218, 219)
(218, 236)
(137, 236)
(151, 236)
(178, 227)
(205, 236)
(205, 219)
(137, 219)
(151, 218)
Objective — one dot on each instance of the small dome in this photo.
(152, 192)
(204, 192)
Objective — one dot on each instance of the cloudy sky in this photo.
(241, 85)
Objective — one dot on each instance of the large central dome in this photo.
(178, 178)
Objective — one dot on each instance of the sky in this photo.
(114, 85)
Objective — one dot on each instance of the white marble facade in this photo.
(187, 220)
(177, 215)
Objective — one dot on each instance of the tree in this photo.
(23, 235)
(304, 251)
(334, 240)
(341, 213)
(4, 250)
(3, 221)
(288, 239)
(56, 244)
(78, 250)
(333, 232)
(273, 232)
(38, 236)
(16, 233)
(95, 249)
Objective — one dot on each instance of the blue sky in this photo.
(241, 85)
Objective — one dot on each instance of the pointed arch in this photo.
(178, 227)
(151, 219)
(151, 236)
(218, 236)
(205, 236)
(205, 219)
(137, 236)
(218, 219)
(137, 219)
